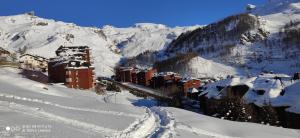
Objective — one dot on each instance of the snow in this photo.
(291, 98)
(44, 40)
(143, 37)
(201, 67)
(278, 13)
(278, 90)
(63, 112)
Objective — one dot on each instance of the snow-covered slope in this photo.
(42, 37)
(31, 109)
(143, 37)
(265, 39)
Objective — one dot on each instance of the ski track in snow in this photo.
(42, 114)
(140, 128)
(168, 125)
(66, 107)
(159, 123)
(144, 127)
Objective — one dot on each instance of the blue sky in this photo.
(123, 13)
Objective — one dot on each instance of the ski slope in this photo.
(63, 112)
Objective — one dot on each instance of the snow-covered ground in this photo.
(31, 109)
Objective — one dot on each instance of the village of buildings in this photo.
(73, 67)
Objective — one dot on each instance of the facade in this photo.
(3, 52)
(34, 62)
(124, 74)
(79, 75)
(77, 52)
(164, 79)
(144, 76)
(188, 84)
(134, 76)
(72, 66)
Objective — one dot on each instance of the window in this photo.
(68, 72)
(68, 79)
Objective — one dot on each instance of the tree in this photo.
(113, 87)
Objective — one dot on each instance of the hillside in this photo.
(143, 37)
(264, 39)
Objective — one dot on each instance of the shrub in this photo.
(113, 87)
(42, 24)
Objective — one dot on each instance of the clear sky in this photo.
(123, 13)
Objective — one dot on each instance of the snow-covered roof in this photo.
(35, 57)
(186, 79)
(278, 90)
(192, 90)
(167, 74)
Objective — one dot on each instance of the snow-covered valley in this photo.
(31, 109)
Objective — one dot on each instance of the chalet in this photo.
(187, 84)
(34, 62)
(134, 76)
(4, 53)
(144, 76)
(124, 74)
(164, 79)
(72, 68)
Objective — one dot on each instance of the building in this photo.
(144, 76)
(124, 74)
(187, 84)
(134, 76)
(73, 67)
(4, 52)
(164, 79)
(80, 75)
(33, 62)
(77, 52)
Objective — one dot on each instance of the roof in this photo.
(4, 50)
(192, 90)
(186, 79)
(167, 74)
(35, 57)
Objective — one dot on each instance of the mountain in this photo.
(143, 37)
(109, 44)
(265, 38)
(42, 37)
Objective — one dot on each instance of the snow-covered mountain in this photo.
(265, 38)
(42, 37)
(143, 37)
